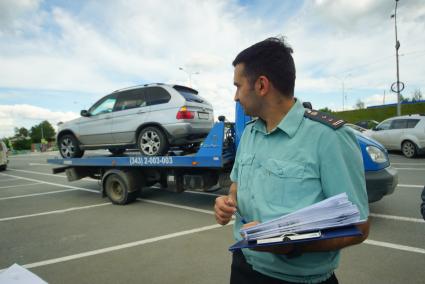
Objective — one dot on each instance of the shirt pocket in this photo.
(282, 181)
(245, 168)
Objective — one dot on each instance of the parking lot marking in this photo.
(177, 206)
(203, 193)
(54, 212)
(9, 186)
(394, 246)
(398, 218)
(37, 173)
(36, 194)
(409, 164)
(39, 164)
(122, 246)
(410, 169)
(55, 184)
(410, 185)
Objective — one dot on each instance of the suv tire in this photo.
(409, 149)
(152, 142)
(69, 147)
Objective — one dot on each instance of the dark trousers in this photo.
(242, 273)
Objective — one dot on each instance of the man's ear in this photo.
(262, 85)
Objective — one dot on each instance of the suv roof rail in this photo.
(138, 86)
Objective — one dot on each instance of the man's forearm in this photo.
(324, 245)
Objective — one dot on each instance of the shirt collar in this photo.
(289, 124)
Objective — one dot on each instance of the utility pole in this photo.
(398, 86)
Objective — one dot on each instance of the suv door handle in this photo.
(108, 117)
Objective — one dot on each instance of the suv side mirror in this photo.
(85, 113)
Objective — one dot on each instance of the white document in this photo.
(336, 211)
(18, 275)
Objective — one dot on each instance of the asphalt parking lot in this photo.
(67, 233)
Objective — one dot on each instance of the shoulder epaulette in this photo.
(324, 118)
(251, 121)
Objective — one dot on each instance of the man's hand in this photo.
(224, 209)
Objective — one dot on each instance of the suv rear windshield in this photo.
(190, 95)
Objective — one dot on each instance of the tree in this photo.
(43, 130)
(403, 99)
(359, 104)
(326, 109)
(21, 132)
(417, 95)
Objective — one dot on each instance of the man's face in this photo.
(245, 93)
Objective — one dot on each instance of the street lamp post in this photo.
(189, 74)
(397, 46)
(343, 90)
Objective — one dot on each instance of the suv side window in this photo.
(157, 95)
(130, 99)
(411, 123)
(384, 125)
(399, 124)
(105, 105)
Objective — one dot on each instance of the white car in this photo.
(3, 156)
(405, 133)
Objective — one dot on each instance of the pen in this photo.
(237, 213)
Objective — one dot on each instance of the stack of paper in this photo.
(336, 211)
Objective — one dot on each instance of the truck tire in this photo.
(69, 147)
(118, 188)
(152, 142)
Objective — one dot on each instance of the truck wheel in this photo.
(3, 168)
(117, 189)
(69, 147)
(409, 149)
(152, 142)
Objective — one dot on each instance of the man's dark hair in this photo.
(271, 58)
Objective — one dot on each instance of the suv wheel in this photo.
(409, 149)
(152, 142)
(69, 147)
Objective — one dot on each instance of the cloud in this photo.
(23, 115)
(87, 49)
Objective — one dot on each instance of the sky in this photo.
(59, 57)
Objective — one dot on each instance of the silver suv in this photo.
(151, 118)
(405, 133)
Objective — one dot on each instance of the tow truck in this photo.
(122, 177)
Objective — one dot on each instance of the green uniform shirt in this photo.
(299, 163)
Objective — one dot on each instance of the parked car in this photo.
(367, 124)
(405, 133)
(381, 178)
(150, 118)
(3, 156)
(358, 128)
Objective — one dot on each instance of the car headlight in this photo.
(376, 154)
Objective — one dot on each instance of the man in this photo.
(287, 159)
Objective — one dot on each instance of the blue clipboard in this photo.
(331, 233)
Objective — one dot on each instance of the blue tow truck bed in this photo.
(122, 177)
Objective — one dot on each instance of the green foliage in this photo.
(327, 110)
(22, 144)
(43, 130)
(21, 132)
(379, 114)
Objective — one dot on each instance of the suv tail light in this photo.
(183, 113)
